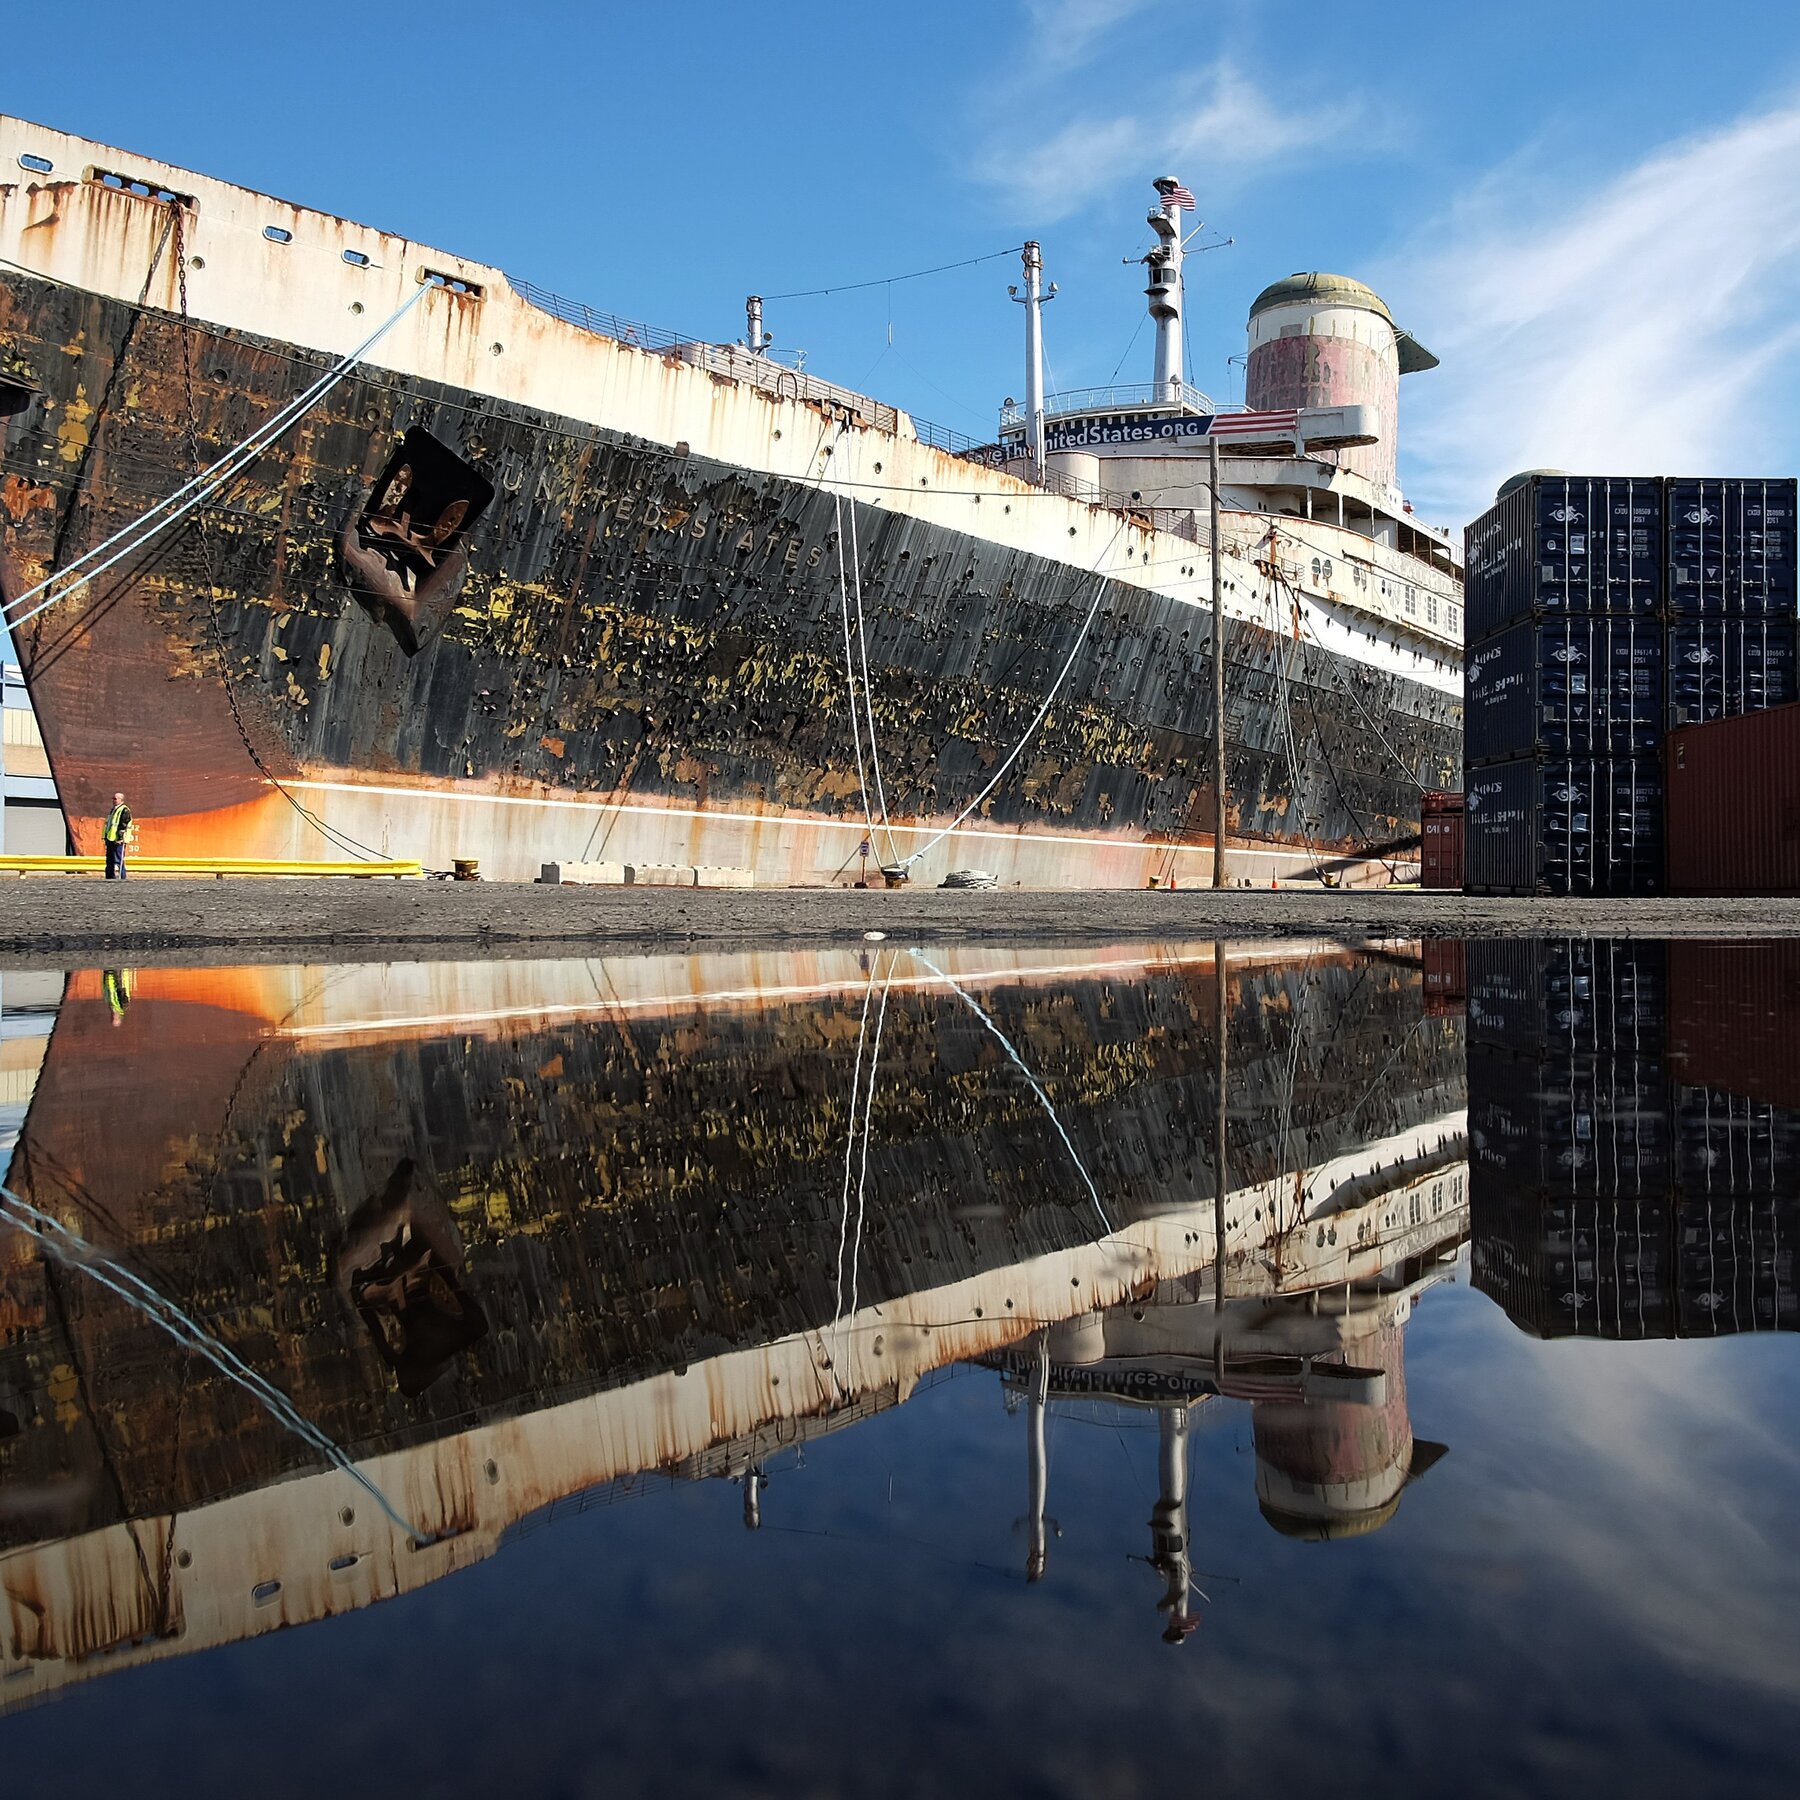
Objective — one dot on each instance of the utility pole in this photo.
(1218, 663)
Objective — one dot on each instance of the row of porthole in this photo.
(276, 234)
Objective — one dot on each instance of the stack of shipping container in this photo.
(1627, 1141)
(1602, 611)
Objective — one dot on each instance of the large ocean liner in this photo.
(474, 572)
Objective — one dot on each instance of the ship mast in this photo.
(1033, 300)
(1164, 290)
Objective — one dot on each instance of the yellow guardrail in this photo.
(204, 865)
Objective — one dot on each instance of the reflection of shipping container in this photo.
(1727, 1146)
(1569, 825)
(1538, 997)
(1568, 1126)
(1575, 1268)
(1637, 1269)
(1734, 1267)
(1734, 805)
(1569, 687)
(1719, 668)
(1564, 544)
(1441, 834)
(1734, 1018)
(1445, 977)
(1732, 548)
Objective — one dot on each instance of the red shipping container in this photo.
(1733, 801)
(1734, 1016)
(1441, 838)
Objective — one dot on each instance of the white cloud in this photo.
(1640, 327)
(1214, 115)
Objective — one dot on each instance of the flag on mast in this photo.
(1180, 198)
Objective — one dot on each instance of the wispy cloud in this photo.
(1666, 1535)
(1644, 324)
(1215, 113)
(1063, 31)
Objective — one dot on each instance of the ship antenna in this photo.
(755, 338)
(1033, 300)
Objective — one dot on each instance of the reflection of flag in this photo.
(1179, 198)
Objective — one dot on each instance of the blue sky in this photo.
(1590, 212)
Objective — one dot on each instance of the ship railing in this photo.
(605, 324)
(1133, 397)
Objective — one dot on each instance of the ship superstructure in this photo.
(521, 582)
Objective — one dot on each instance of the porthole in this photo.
(356, 259)
(36, 165)
(277, 234)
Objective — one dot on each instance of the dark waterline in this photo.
(462, 1318)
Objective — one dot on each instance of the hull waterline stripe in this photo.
(786, 823)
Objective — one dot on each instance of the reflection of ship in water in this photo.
(1305, 1325)
(1634, 1176)
(454, 1246)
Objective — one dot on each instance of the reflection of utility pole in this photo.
(1169, 1552)
(1039, 1553)
(1221, 1020)
(1218, 665)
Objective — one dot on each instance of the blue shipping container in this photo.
(1564, 825)
(1577, 687)
(1733, 551)
(1565, 544)
(1721, 668)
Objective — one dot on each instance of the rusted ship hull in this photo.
(437, 621)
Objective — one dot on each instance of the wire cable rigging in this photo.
(191, 494)
(1017, 750)
(75, 1252)
(851, 287)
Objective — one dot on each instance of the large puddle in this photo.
(818, 1374)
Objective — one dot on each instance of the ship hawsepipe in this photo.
(442, 618)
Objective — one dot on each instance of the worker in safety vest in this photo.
(121, 830)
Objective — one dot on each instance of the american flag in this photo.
(1253, 424)
(1180, 198)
